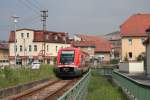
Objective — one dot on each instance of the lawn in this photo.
(11, 77)
(100, 88)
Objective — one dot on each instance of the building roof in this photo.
(114, 36)
(84, 44)
(101, 44)
(40, 36)
(4, 46)
(135, 25)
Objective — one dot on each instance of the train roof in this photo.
(73, 48)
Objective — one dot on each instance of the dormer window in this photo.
(22, 35)
(47, 37)
(64, 38)
(56, 37)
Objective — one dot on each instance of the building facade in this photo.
(132, 36)
(115, 39)
(86, 46)
(4, 54)
(102, 46)
(32, 45)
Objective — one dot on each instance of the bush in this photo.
(114, 61)
(10, 74)
(140, 58)
(55, 60)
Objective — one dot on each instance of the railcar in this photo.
(71, 62)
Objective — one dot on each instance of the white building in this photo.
(34, 45)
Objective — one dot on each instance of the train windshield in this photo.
(67, 57)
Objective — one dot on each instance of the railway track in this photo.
(48, 91)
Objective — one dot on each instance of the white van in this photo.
(36, 65)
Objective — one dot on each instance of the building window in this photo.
(89, 48)
(27, 35)
(22, 35)
(15, 48)
(56, 38)
(47, 48)
(142, 40)
(20, 48)
(30, 48)
(35, 47)
(130, 55)
(130, 41)
(56, 48)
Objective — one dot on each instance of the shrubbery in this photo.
(114, 61)
(10, 77)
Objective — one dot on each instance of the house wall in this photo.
(132, 67)
(4, 57)
(106, 56)
(136, 47)
(89, 50)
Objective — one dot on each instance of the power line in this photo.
(28, 6)
(39, 4)
(33, 4)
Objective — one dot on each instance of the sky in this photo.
(96, 17)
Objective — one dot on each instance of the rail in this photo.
(79, 90)
(134, 89)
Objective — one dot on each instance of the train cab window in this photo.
(67, 57)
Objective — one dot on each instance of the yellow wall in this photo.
(3, 54)
(136, 47)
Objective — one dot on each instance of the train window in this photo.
(67, 57)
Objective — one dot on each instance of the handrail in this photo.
(134, 89)
(78, 91)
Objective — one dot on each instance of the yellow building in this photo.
(133, 35)
(32, 45)
(4, 54)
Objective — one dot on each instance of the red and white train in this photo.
(71, 62)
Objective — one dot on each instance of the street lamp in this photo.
(148, 32)
(15, 22)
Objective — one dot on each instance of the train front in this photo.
(67, 63)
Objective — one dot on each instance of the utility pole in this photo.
(44, 16)
(15, 22)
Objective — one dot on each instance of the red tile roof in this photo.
(135, 25)
(40, 36)
(102, 45)
(84, 44)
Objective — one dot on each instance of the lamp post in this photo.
(148, 32)
(15, 22)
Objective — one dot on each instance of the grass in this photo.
(100, 88)
(10, 77)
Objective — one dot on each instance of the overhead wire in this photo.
(33, 4)
(29, 6)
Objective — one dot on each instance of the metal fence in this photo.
(135, 90)
(79, 90)
(103, 71)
